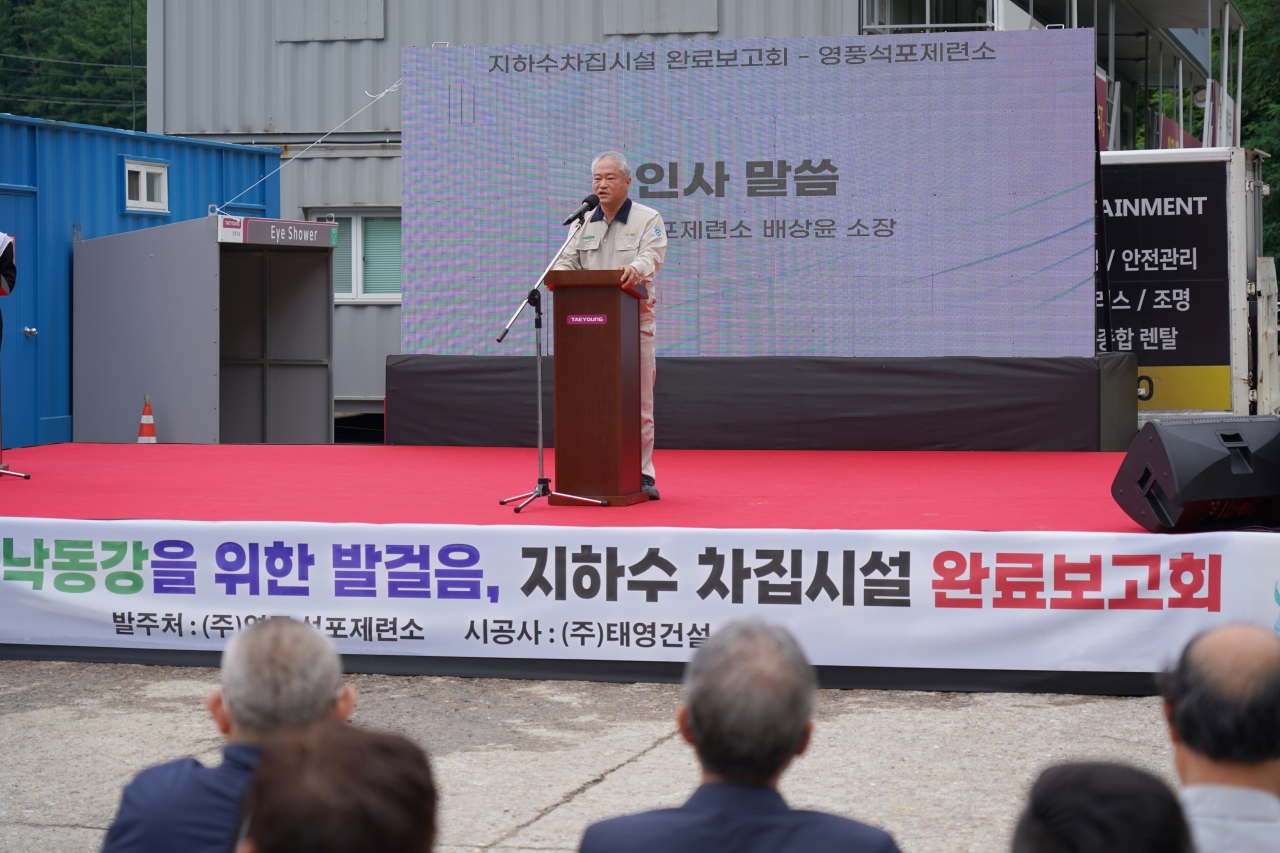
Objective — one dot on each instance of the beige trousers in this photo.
(648, 372)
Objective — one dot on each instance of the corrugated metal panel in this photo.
(328, 20)
(222, 69)
(311, 183)
(363, 337)
(342, 257)
(56, 176)
(634, 17)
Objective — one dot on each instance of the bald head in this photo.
(1224, 695)
(1238, 660)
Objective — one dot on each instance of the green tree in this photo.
(1260, 118)
(69, 60)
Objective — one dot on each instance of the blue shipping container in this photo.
(60, 182)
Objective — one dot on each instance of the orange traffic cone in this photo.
(147, 429)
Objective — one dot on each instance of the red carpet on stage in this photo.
(461, 485)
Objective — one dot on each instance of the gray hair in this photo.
(279, 674)
(749, 692)
(617, 157)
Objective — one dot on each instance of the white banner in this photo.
(950, 599)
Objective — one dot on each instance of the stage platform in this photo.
(802, 490)
(926, 570)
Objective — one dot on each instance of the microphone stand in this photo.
(534, 299)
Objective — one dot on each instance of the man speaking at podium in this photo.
(632, 238)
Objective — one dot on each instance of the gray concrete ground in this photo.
(526, 765)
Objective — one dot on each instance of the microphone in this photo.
(591, 202)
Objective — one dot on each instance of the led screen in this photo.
(922, 195)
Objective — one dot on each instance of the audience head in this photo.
(279, 674)
(1222, 700)
(749, 694)
(338, 789)
(1101, 808)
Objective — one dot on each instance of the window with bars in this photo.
(366, 261)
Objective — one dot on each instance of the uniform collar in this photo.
(623, 213)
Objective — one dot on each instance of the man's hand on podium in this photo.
(630, 277)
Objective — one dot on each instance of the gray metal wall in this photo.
(363, 337)
(145, 312)
(341, 176)
(225, 68)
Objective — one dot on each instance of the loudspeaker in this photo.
(1202, 474)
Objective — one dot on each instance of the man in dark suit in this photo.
(749, 694)
(278, 676)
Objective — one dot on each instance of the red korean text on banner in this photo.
(1132, 600)
(950, 566)
(1020, 581)
(1187, 577)
(1077, 579)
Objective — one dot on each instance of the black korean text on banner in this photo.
(1167, 263)
(910, 54)
(947, 599)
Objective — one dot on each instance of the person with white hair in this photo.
(748, 708)
(630, 237)
(278, 676)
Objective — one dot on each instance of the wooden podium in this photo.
(597, 386)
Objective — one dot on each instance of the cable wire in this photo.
(65, 75)
(88, 103)
(64, 61)
(394, 87)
